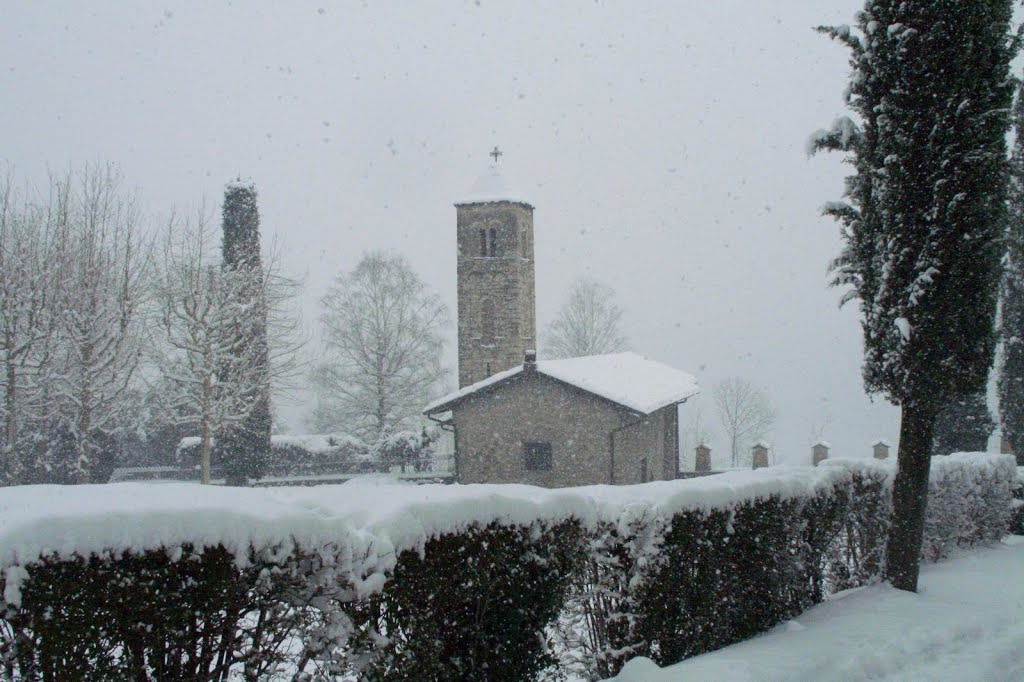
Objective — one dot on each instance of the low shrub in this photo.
(1016, 524)
(969, 502)
(472, 605)
(192, 613)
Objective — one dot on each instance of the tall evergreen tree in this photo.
(922, 217)
(963, 425)
(1011, 374)
(244, 448)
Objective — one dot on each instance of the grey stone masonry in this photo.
(496, 290)
(819, 453)
(759, 455)
(588, 440)
(703, 461)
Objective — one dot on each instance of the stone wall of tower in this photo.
(496, 295)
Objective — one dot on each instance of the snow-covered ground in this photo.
(966, 623)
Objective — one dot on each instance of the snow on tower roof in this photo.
(629, 379)
(493, 185)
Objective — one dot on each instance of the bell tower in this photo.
(496, 293)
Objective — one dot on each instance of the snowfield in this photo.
(965, 624)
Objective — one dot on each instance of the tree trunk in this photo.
(204, 432)
(84, 463)
(910, 494)
(204, 452)
(10, 465)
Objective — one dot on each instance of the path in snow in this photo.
(966, 623)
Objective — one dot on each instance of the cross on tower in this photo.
(495, 153)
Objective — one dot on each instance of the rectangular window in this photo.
(483, 243)
(492, 247)
(537, 456)
(643, 471)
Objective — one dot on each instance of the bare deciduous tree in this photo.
(745, 413)
(30, 280)
(105, 286)
(199, 303)
(382, 334)
(587, 323)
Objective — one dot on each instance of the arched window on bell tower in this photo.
(488, 242)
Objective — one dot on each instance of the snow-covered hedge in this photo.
(180, 581)
(969, 502)
(1017, 505)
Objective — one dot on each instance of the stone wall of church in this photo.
(649, 449)
(493, 426)
(496, 301)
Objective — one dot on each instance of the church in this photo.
(518, 419)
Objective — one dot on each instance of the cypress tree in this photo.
(1011, 374)
(963, 425)
(243, 448)
(922, 217)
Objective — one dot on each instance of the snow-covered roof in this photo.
(628, 379)
(493, 185)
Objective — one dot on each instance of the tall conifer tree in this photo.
(244, 447)
(963, 425)
(1011, 375)
(922, 217)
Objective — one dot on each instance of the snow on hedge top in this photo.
(375, 517)
(626, 378)
(316, 443)
(493, 185)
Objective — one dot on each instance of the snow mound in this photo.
(493, 185)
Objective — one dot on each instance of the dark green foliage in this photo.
(1011, 372)
(856, 555)
(726, 576)
(245, 447)
(475, 605)
(923, 216)
(478, 603)
(150, 617)
(1017, 509)
(963, 425)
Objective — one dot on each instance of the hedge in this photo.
(401, 582)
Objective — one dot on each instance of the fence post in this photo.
(702, 464)
(759, 455)
(819, 452)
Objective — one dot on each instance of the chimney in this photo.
(530, 361)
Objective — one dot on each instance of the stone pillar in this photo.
(881, 449)
(759, 455)
(702, 463)
(819, 452)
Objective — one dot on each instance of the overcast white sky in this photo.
(662, 144)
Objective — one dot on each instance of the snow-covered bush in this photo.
(1017, 504)
(180, 581)
(856, 555)
(969, 498)
(472, 604)
(191, 613)
(673, 585)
